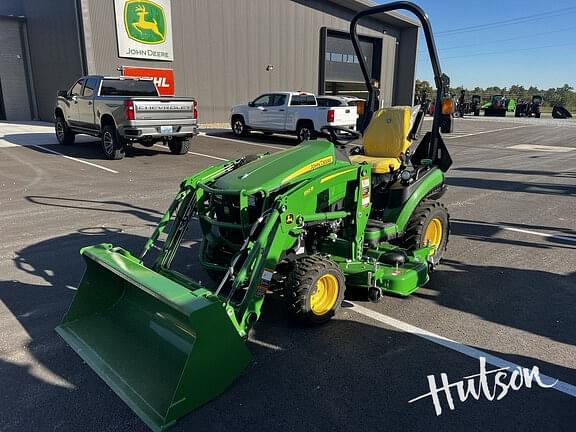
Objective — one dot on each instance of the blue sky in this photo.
(539, 50)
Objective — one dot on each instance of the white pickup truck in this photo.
(294, 113)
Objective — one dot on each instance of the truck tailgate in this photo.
(163, 109)
(344, 116)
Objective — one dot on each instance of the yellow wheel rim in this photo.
(325, 296)
(433, 233)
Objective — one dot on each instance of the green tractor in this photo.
(301, 225)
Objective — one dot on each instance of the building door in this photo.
(340, 72)
(13, 74)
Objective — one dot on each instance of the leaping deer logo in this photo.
(142, 24)
(144, 21)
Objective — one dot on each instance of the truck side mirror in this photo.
(251, 104)
(63, 93)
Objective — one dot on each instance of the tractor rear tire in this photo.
(314, 289)
(429, 224)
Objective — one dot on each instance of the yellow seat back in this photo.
(387, 133)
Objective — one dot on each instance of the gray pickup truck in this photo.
(123, 111)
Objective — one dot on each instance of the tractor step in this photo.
(377, 231)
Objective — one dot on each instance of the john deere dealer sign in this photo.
(144, 29)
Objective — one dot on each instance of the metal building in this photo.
(223, 52)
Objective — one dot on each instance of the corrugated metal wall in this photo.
(222, 47)
(54, 49)
(15, 93)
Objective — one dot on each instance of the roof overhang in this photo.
(393, 19)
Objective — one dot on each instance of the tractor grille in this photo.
(226, 208)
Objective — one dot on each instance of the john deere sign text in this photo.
(144, 29)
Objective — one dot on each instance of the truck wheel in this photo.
(112, 143)
(239, 126)
(179, 146)
(428, 225)
(305, 132)
(314, 289)
(63, 133)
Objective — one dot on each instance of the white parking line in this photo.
(43, 148)
(241, 141)
(541, 148)
(208, 156)
(483, 132)
(551, 236)
(475, 353)
(198, 154)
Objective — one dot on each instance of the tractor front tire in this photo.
(314, 289)
(428, 225)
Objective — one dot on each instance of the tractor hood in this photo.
(306, 160)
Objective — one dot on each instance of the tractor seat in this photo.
(386, 139)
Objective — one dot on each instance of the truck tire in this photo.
(429, 224)
(179, 146)
(238, 126)
(112, 144)
(314, 289)
(305, 131)
(63, 133)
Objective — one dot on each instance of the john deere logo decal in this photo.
(144, 21)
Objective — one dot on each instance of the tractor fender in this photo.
(401, 215)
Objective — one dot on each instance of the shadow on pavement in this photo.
(475, 230)
(512, 186)
(558, 174)
(143, 213)
(346, 375)
(534, 301)
(86, 147)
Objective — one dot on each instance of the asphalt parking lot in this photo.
(506, 291)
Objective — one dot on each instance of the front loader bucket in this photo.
(162, 349)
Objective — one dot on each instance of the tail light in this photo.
(330, 116)
(129, 105)
(195, 115)
(447, 106)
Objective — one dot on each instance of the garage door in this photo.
(340, 71)
(15, 100)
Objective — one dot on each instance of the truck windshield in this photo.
(116, 87)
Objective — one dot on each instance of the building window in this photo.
(341, 58)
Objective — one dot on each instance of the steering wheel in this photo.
(340, 139)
